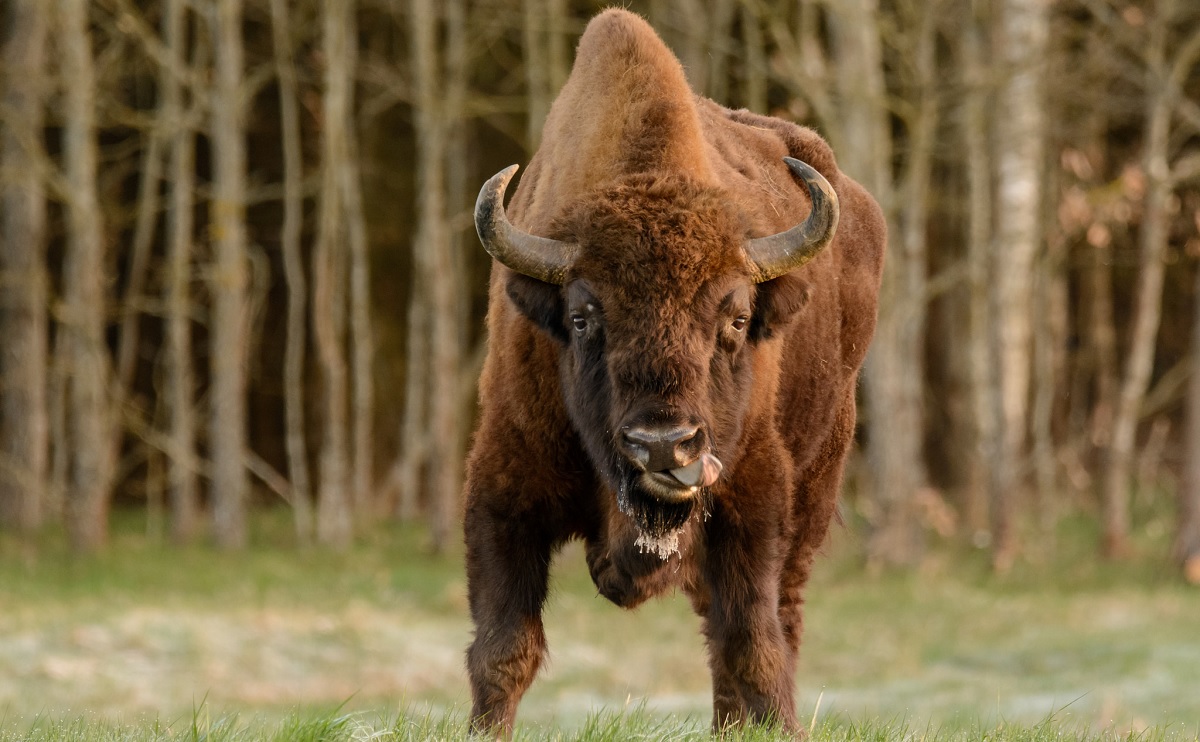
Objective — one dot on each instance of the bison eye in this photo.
(739, 324)
(580, 322)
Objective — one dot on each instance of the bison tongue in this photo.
(702, 472)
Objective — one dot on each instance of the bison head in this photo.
(654, 293)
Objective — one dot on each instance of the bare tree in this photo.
(976, 134)
(90, 414)
(1166, 73)
(892, 370)
(537, 69)
(335, 521)
(24, 415)
(229, 326)
(1020, 169)
(293, 364)
(179, 377)
(1187, 537)
(435, 264)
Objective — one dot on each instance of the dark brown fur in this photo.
(661, 188)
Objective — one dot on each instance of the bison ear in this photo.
(777, 303)
(540, 302)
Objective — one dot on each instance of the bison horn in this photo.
(538, 257)
(784, 252)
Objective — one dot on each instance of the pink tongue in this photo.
(702, 472)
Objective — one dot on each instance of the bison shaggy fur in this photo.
(660, 348)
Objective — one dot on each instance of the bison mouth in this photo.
(661, 502)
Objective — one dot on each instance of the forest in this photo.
(240, 271)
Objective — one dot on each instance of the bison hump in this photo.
(625, 108)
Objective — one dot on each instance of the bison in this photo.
(675, 334)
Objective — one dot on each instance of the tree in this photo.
(1019, 147)
(893, 371)
(1187, 536)
(1166, 70)
(179, 376)
(435, 273)
(293, 215)
(24, 415)
(978, 164)
(335, 501)
(90, 414)
(229, 325)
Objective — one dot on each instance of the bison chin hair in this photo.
(656, 518)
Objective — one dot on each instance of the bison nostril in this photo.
(657, 448)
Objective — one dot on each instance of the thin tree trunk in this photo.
(1051, 332)
(688, 18)
(139, 264)
(335, 522)
(558, 59)
(1166, 80)
(720, 14)
(537, 81)
(755, 68)
(362, 334)
(414, 427)
(90, 412)
(436, 267)
(183, 483)
(293, 266)
(1147, 307)
(229, 328)
(24, 413)
(1187, 537)
(1102, 337)
(1021, 143)
(981, 386)
(892, 381)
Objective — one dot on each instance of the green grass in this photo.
(148, 643)
(599, 727)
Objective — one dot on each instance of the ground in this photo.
(147, 632)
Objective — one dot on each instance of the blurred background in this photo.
(240, 274)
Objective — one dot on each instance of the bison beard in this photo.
(656, 518)
(672, 360)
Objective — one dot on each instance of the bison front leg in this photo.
(749, 655)
(507, 578)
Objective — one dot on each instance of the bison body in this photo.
(675, 336)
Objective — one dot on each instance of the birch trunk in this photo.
(183, 483)
(89, 411)
(24, 413)
(229, 330)
(1019, 146)
(293, 265)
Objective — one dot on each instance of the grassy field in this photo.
(147, 643)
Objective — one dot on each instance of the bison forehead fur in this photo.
(655, 386)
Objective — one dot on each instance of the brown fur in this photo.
(660, 188)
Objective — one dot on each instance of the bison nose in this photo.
(658, 448)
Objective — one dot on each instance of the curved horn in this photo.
(544, 259)
(784, 252)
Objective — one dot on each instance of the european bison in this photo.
(671, 371)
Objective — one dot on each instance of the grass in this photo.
(149, 643)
